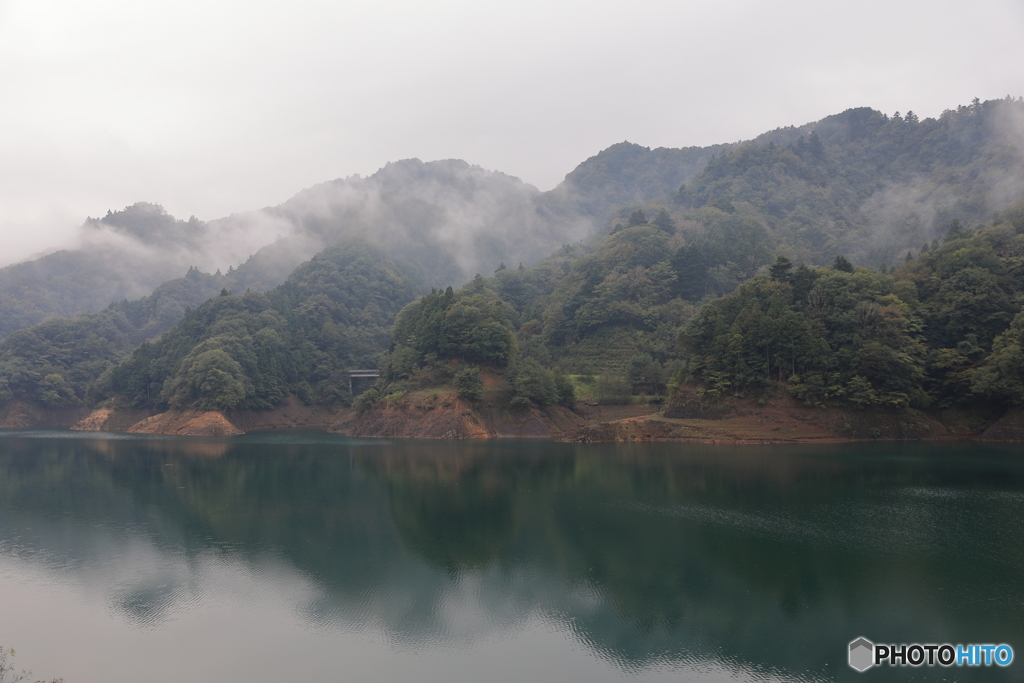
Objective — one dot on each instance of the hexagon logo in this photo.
(862, 654)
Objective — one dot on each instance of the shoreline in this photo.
(444, 416)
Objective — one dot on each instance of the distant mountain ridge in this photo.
(627, 173)
(446, 220)
(859, 183)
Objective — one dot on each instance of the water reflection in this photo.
(659, 559)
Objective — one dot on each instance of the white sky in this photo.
(217, 106)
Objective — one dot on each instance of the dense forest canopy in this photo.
(254, 350)
(864, 184)
(939, 330)
(446, 336)
(73, 353)
(247, 350)
(627, 173)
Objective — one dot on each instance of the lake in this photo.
(307, 557)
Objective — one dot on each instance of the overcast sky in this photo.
(217, 106)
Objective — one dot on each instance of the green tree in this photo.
(956, 231)
(637, 218)
(781, 269)
(55, 392)
(210, 380)
(1001, 375)
(534, 383)
(663, 221)
(469, 384)
(564, 388)
(841, 263)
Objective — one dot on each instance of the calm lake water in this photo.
(305, 557)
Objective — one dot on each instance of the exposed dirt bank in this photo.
(657, 427)
(439, 414)
(186, 423)
(782, 419)
(291, 415)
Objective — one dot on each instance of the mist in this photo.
(213, 109)
(449, 219)
(902, 216)
(441, 223)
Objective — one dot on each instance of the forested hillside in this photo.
(627, 173)
(254, 350)
(625, 316)
(860, 183)
(445, 220)
(57, 363)
(69, 282)
(940, 330)
(609, 312)
(129, 254)
(754, 274)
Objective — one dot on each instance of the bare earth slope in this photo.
(439, 414)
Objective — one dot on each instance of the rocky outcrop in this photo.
(291, 415)
(766, 419)
(186, 423)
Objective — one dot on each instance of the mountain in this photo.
(607, 304)
(254, 350)
(447, 220)
(127, 255)
(239, 351)
(626, 174)
(860, 183)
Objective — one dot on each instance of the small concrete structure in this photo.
(360, 374)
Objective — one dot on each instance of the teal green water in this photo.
(309, 557)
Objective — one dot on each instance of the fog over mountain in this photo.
(219, 108)
(449, 218)
(861, 183)
(446, 220)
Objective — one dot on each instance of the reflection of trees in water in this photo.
(462, 526)
(751, 555)
(725, 548)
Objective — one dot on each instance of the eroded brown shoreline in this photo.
(441, 416)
